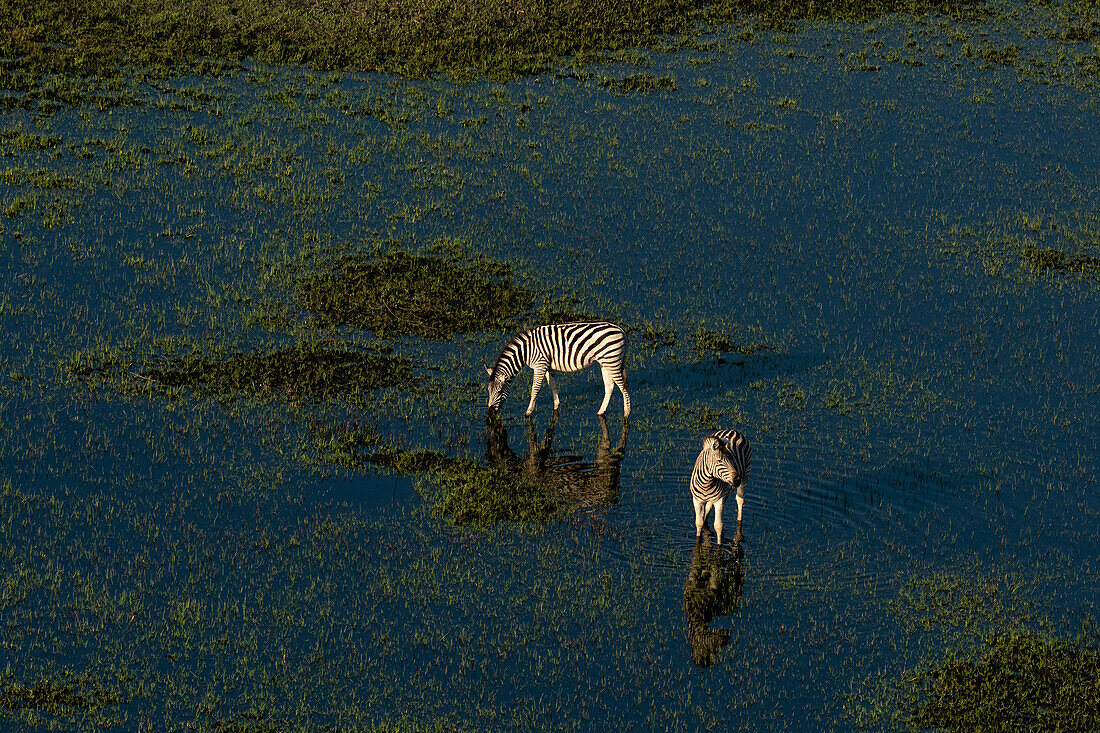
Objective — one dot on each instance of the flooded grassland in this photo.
(246, 482)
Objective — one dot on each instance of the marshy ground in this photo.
(250, 280)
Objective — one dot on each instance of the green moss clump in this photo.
(305, 371)
(427, 295)
(472, 494)
(1017, 681)
(1053, 259)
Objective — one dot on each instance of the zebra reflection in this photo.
(568, 476)
(713, 589)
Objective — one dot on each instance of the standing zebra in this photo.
(722, 466)
(563, 347)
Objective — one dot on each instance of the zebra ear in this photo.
(489, 371)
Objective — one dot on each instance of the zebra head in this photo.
(498, 390)
(718, 463)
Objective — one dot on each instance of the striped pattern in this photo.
(722, 466)
(562, 347)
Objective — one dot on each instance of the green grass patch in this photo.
(702, 344)
(706, 342)
(413, 37)
(64, 696)
(1034, 245)
(306, 371)
(1013, 681)
(1055, 259)
(431, 295)
(640, 83)
(38, 179)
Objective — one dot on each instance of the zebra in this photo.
(722, 466)
(563, 347)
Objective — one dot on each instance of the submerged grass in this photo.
(305, 371)
(1034, 245)
(64, 696)
(428, 295)
(1055, 259)
(1014, 681)
(640, 83)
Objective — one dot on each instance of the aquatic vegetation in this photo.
(1012, 681)
(1054, 259)
(65, 696)
(430, 295)
(704, 343)
(90, 37)
(1033, 245)
(306, 371)
(707, 342)
(971, 599)
(640, 83)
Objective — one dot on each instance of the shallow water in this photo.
(923, 408)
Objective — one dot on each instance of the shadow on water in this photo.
(567, 476)
(735, 369)
(713, 589)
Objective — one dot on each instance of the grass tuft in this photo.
(305, 371)
(428, 295)
(1054, 259)
(500, 38)
(1016, 681)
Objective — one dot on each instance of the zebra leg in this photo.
(621, 384)
(700, 516)
(718, 519)
(536, 384)
(553, 388)
(608, 387)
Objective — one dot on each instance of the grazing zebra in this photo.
(563, 347)
(722, 466)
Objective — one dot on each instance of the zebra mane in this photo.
(508, 364)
